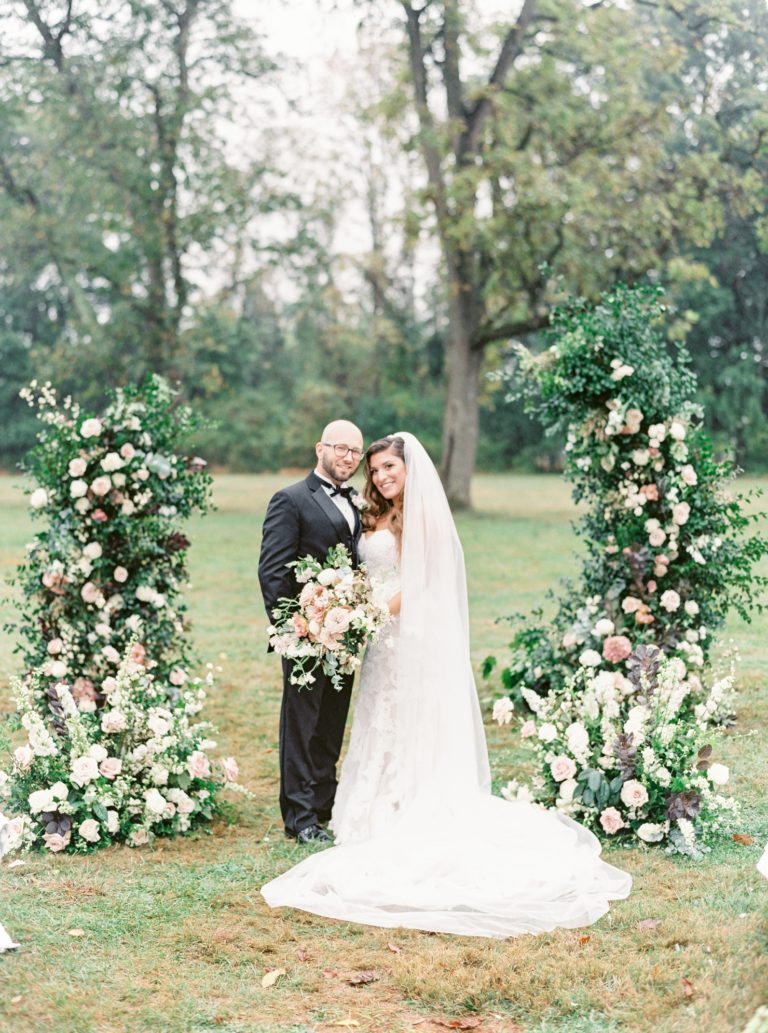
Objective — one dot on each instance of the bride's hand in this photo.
(394, 605)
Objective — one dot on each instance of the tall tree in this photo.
(113, 154)
(557, 159)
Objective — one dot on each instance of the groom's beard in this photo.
(338, 471)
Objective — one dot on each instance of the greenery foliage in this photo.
(667, 548)
(107, 702)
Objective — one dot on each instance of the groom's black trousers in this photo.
(311, 733)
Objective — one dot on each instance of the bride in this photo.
(420, 840)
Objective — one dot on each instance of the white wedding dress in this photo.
(420, 840)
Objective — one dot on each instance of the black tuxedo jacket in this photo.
(301, 520)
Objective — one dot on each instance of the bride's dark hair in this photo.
(378, 506)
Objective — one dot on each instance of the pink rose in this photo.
(54, 580)
(198, 765)
(300, 625)
(99, 516)
(680, 513)
(657, 537)
(528, 729)
(688, 475)
(634, 794)
(630, 604)
(55, 646)
(111, 767)
(77, 467)
(616, 648)
(650, 491)
(652, 586)
(138, 654)
(337, 620)
(611, 821)
(138, 837)
(113, 721)
(644, 616)
(83, 689)
(328, 640)
(89, 592)
(177, 676)
(120, 574)
(562, 767)
(56, 842)
(127, 451)
(230, 769)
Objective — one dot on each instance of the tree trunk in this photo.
(461, 418)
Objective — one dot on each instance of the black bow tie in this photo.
(338, 489)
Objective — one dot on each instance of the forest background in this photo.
(367, 233)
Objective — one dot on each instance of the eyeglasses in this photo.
(342, 451)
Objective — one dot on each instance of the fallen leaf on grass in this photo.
(330, 973)
(349, 1023)
(76, 932)
(584, 939)
(394, 948)
(740, 837)
(687, 987)
(457, 1023)
(302, 955)
(649, 923)
(17, 1000)
(16, 864)
(271, 977)
(360, 978)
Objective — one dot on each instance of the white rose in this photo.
(670, 600)
(120, 574)
(158, 725)
(92, 551)
(77, 489)
(113, 721)
(688, 475)
(23, 757)
(650, 833)
(56, 668)
(111, 462)
(113, 822)
(577, 737)
(155, 801)
(55, 646)
(89, 830)
(691, 608)
(101, 485)
(82, 505)
(40, 800)
(77, 467)
(38, 498)
(90, 429)
(604, 627)
(127, 508)
(718, 774)
(567, 789)
(503, 709)
(590, 658)
(680, 513)
(98, 752)
(547, 732)
(641, 457)
(84, 770)
(677, 430)
(59, 791)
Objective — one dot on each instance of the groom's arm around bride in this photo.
(309, 518)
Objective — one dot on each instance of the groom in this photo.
(309, 518)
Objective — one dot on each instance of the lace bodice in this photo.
(379, 552)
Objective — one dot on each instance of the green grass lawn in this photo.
(176, 939)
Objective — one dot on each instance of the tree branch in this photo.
(481, 110)
(485, 335)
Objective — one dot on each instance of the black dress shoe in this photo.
(313, 834)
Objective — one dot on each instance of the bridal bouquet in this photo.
(338, 612)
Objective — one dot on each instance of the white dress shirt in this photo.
(341, 503)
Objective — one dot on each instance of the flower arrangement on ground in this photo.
(629, 754)
(112, 753)
(337, 613)
(136, 768)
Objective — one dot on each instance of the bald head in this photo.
(332, 460)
